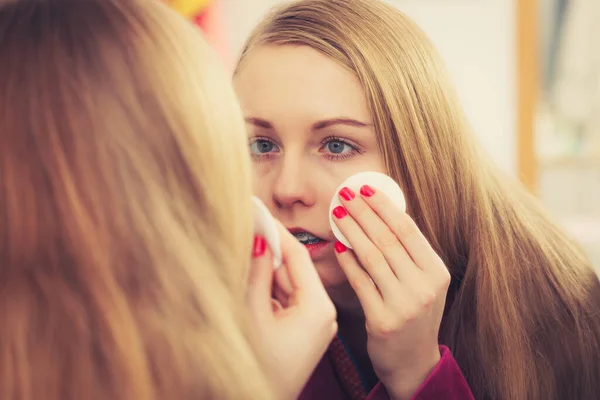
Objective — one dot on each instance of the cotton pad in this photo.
(265, 226)
(378, 181)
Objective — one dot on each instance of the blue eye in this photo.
(262, 146)
(338, 147)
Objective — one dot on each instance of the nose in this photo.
(292, 186)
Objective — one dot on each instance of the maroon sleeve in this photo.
(446, 381)
(378, 393)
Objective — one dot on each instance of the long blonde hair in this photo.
(124, 244)
(523, 316)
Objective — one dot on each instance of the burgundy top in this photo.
(337, 378)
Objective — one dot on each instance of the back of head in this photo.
(123, 243)
(520, 287)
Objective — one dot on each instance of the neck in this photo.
(344, 298)
(352, 330)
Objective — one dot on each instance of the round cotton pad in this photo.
(265, 226)
(378, 181)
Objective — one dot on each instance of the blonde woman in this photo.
(474, 292)
(125, 218)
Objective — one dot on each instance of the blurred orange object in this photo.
(189, 8)
(205, 14)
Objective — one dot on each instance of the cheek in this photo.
(260, 182)
(342, 173)
(329, 176)
(264, 183)
(339, 172)
(326, 189)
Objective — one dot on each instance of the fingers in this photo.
(260, 280)
(276, 306)
(404, 229)
(364, 229)
(300, 268)
(283, 282)
(281, 297)
(377, 231)
(419, 268)
(309, 295)
(361, 282)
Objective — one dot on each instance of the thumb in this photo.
(260, 278)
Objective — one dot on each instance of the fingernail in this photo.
(260, 245)
(347, 194)
(339, 247)
(367, 191)
(339, 212)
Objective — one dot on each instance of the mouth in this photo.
(305, 237)
(317, 247)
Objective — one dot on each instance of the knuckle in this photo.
(442, 276)
(428, 299)
(383, 328)
(445, 278)
(360, 283)
(386, 240)
(362, 212)
(372, 258)
(323, 311)
(405, 227)
(331, 313)
(333, 329)
(410, 316)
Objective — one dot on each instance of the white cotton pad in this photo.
(265, 226)
(379, 182)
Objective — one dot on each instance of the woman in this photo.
(334, 87)
(124, 250)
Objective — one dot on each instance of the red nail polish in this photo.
(260, 245)
(347, 194)
(340, 247)
(339, 212)
(367, 191)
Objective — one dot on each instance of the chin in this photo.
(331, 274)
(337, 285)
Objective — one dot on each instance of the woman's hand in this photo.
(401, 284)
(295, 330)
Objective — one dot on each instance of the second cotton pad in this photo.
(378, 181)
(265, 226)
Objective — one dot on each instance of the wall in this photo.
(475, 38)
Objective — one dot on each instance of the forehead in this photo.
(298, 79)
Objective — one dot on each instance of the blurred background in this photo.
(527, 73)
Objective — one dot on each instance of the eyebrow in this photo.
(319, 125)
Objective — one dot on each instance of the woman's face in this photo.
(309, 128)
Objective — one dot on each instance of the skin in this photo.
(309, 128)
(284, 178)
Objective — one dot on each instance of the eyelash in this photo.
(339, 157)
(327, 140)
(264, 156)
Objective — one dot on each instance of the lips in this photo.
(317, 247)
(296, 230)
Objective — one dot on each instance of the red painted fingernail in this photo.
(340, 247)
(260, 245)
(347, 194)
(367, 191)
(339, 212)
